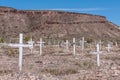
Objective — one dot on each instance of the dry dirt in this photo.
(59, 64)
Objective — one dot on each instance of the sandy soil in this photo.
(59, 64)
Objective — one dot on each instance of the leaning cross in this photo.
(20, 45)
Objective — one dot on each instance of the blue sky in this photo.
(108, 8)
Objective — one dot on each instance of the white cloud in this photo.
(79, 9)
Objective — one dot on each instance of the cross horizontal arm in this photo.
(19, 45)
(96, 52)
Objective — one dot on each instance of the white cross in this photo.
(40, 45)
(116, 44)
(20, 45)
(74, 46)
(31, 42)
(80, 42)
(67, 44)
(83, 43)
(98, 54)
(108, 47)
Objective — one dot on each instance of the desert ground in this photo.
(57, 63)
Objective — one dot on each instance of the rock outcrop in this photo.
(55, 24)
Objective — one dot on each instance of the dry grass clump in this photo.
(5, 72)
(85, 78)
(115, 58)
(60, 71)
(86, 64)
(11, 52)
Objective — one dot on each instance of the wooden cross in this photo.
(98, 54)
(20, 45)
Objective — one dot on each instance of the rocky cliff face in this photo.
(55, 24)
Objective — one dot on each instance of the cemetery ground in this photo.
(58, 63)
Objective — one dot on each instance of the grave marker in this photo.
(20, 45)
(40, 45)
(98, 52)
(67, 45)
(83, 43)
(31, 42)
(108, 47)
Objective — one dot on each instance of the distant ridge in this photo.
(56, 24)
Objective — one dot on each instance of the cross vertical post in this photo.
(98, 56)
(83, 43)
(20, 51)
(100, 44)
(31, 42)
(108, 47)
(116, 44)
(67, 44)
(74, 46)
(40, 46)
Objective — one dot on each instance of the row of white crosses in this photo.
(20, 45)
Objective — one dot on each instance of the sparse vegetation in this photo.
(5, 71)
(86, 64)
(60, 71)
(2, 40)
(27, 38)
(11, 52)
(89, 40)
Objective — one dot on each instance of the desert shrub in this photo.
(89, 40)
(27, 38)
(60, 72)
(2, 40)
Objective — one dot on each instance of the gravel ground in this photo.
(59, 64)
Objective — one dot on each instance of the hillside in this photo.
(55, 24)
